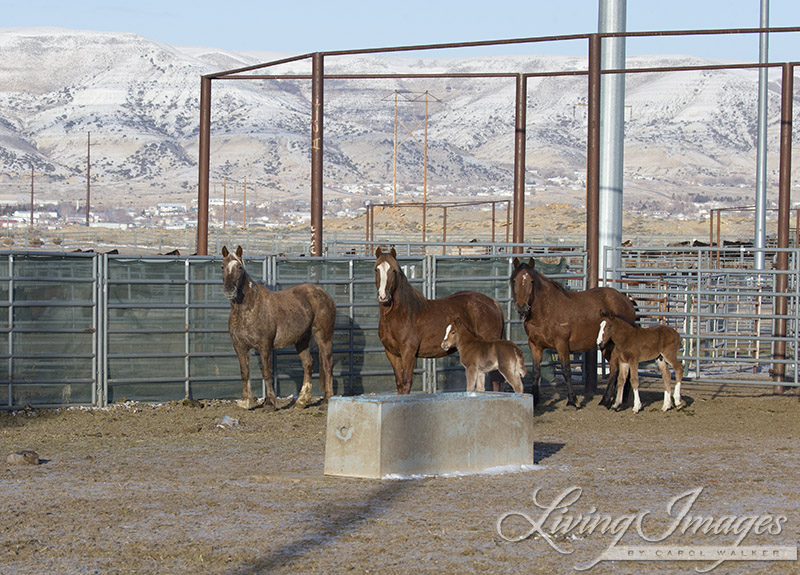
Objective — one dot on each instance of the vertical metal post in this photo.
(203, 165)
(593, 162)
(317, 96)
(519, 163)
(760, 232)
(612, 137)
(592, 195)
(784, 207)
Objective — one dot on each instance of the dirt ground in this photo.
(138, 488)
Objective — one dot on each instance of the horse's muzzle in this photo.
(445, 346)
(386, 299)
(524, 310)
(229, 293)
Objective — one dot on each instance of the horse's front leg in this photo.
(308, 369)
(623, 375)
(403, 371)
(564, 357)
(266, 373)
(536, 369)
(472, 380)
(613, 372)
(243, 354)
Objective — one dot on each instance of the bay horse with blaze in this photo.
(412, 325)
(566, 321)
(264, 320)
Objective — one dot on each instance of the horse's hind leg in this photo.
(308, 369)
(511, 373)
(678, 367)
(623, 374)
(536, 370)
(326, 368)
(663, 367)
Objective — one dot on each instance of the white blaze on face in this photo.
(600, 333)
(232, 265)
(383, 270)
(447, 331)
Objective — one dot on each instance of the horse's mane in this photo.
(538, 278)
(407, 294)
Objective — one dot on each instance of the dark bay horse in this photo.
(264, 320)
(563, 320)
(412, 325)
(480, 356)
(634, 344)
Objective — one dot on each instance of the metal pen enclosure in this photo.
(94, 329)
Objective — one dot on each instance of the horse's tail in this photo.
(502, 334)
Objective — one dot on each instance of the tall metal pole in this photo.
(519, 163)
(592, 195)
(88, 173)
(394, 161)
(593, 162)
(317, 96)
(760, 233)
(784, 207)
(612, 134)
(425, 155)
(203, 163)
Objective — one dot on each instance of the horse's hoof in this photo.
(300, 405)
(250, 403)
(680, 405)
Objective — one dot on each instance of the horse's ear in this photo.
(394, 253)
(516, 262)
(378, 252)
(532, 263)
(224, 251)
(239, 252)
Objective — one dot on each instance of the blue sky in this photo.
(312, 25)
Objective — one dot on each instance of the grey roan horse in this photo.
(262, 319)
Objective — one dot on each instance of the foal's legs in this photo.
(624, 368)
(512, 377)
(672, 359)
(475, 380)
(663, 367)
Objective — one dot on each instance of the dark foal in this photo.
(634, 344)
(480, 356)
(264, 320)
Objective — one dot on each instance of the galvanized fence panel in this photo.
(50, 339)
(89, 329)
(723, 308)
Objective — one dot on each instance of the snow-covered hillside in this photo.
(139, 100)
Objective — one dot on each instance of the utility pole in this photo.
(31, 176)
(88, 173)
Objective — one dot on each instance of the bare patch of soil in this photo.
(209, 488)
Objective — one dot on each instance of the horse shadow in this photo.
(325, 525)
(543, 450)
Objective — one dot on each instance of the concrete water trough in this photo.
(375, 436)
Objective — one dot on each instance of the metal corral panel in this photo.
(374, 436)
